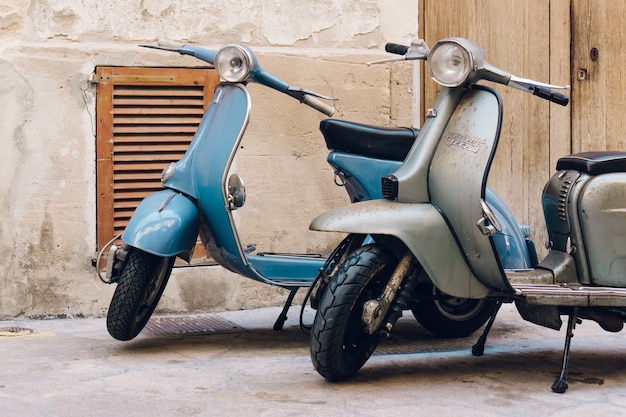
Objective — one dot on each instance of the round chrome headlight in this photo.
(450, 64)
(233, 63)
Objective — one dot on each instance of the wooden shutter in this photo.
(146, 118)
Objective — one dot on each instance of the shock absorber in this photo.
(406, 292)
(381, 313)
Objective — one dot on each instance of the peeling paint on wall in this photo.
(271, 22)
(49, 49)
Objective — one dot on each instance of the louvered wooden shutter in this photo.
(146, 118)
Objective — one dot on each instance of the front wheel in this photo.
(340, 345)
(140, 287)
(449, 316)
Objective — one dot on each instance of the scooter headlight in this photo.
(450, 63)
(233, 63)
(167, 172)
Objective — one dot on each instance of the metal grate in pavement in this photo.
(409, 337)
(14, 331)
(190, 326)
(399, 347)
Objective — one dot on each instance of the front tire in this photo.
(140, 287)
(448, 316)
(339, 345)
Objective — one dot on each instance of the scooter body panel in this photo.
(510, 242)
(164, 224)
(458, 176)
(412, 175)
(429, 238)
(287, 269)
(602, 214)
(203, 170)
(588, 213)
(200, 175)
(361, 174)
(444, 232)
(363, 184)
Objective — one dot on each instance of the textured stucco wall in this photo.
(48, 51)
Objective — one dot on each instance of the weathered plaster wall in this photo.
(48, 50)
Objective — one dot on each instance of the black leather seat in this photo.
(594, 163)
(372, 141)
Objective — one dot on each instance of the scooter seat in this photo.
(594, 163)
(372, 141)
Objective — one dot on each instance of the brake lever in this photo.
(163, 48)
(417, 50)
(299, 94)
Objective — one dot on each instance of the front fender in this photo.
(422, 229)
(166, 224)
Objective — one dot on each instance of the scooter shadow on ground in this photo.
(408, 338)
(523, 371)
(512, 355)
(510, 359)
(238, 341)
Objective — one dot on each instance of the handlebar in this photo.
(550, 95)
(167, 43)
(257, 74)
(318, 105)
(395, 48)
(481, 71)
(539, 89)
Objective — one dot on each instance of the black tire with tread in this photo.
(452, 316)
(138, 291)
(339, 344)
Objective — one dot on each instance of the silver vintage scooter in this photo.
(434, 226)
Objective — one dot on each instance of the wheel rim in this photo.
(356, 337)
(459, 309)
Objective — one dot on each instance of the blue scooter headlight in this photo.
(233, 63)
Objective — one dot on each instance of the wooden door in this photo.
(599, 75)
(530, 40)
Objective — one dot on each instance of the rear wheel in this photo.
(340, 345)
(449, 316)
(140, 287)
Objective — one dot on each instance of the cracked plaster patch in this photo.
(285, 23)
(156, 7)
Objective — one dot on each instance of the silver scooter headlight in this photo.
(450, 63)
(233, 63)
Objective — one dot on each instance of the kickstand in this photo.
(479, 348)
(560, 384)
(278, 325)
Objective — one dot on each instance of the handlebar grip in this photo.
(318, 105)
(170, 44)
(550, 95)
(394, 48)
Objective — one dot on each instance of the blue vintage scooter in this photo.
(199, 200)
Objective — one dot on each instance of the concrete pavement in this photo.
(234, 364)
